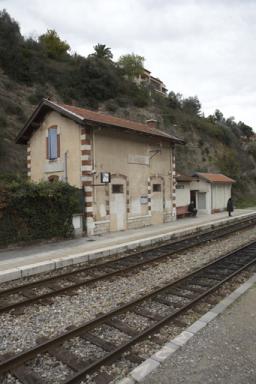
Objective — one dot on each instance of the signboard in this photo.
(138, 159)
(105, 177)
(144, 199)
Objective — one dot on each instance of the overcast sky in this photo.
(202, 47)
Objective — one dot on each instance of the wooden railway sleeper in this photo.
(180, 293)
(26, 376)
(21, 358)
(121, 326)
(33, 298)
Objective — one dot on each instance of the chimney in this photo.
(152, 123)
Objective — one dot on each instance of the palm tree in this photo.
(102, 52)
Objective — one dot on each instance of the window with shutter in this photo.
(53, 141)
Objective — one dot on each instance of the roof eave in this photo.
(21, 138)
(167, 138)
(223, 182)
(230, 181)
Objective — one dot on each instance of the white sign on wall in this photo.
(144, 199)
(138, 159)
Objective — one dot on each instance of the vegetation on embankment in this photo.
(35, 211)
(32, 69)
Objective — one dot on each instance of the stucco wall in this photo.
(127, 157)
(220, 195)
(69, 131)
(204, 193)
(182, 193)
(136, 162)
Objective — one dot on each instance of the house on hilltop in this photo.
(125, 169)
(152, 83)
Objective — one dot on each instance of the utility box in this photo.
(77, 221)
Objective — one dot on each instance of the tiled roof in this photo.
(181, 177)
(103, 118)
(82, 115)
(215, 177)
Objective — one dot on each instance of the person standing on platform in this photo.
(230, 206)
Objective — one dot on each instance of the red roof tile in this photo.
(181, 177)
(103, 118)
(82, 115)
(215, 177)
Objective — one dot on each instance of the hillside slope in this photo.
(29, 71)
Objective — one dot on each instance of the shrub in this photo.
(229, 165)
(252, 150)
(30, 211)
(111, 105)
(39, 93)
(3, 122)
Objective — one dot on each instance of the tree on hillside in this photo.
(191, 105)
(229, 164)
(230, 122)
(246, 130)
(175, 100)
(9, 28)
(102, 52)
(10, 43)
(132, 65)
(95, 79)
(54, 46)
(218, 116)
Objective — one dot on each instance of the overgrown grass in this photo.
(246, 202)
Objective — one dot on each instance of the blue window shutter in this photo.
(52, 144)
(47, 148)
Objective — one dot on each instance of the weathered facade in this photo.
(152, 83)
(183, 193)
(214, 190)
(209, 191)
(126, 169)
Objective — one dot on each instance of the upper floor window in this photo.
(53, 144)
(156, 187)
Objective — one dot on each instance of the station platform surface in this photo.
(22, 261)
(224, 352)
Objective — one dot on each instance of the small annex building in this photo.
(125, 169)
(209, 191)
(183, 193)
(214, 190)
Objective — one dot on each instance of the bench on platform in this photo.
(183, 212)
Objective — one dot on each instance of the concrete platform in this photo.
(217, 350)
(25, 261)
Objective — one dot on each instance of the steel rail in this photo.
(25, 356)
(193, 240)
(119, 350)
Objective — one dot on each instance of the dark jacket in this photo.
(230, 207)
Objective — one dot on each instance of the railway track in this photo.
(174, 299)
(43, 290)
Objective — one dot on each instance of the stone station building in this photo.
(126, 169)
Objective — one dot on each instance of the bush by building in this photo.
(33, 211)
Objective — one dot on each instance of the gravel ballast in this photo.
(18, 333)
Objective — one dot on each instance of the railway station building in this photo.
(125, 169)
(209, 191)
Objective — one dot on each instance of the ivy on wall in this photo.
(32, 211)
